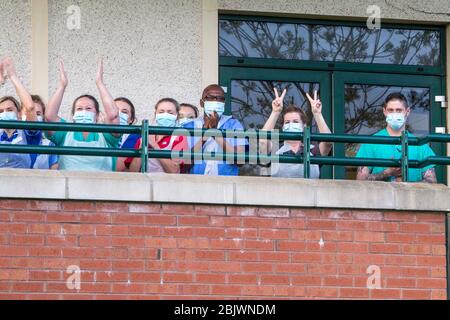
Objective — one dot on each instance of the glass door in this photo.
(249, 93)
(358, 103)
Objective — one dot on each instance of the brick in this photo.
(243, 279)
(225, 221)
(337, 281)
(201, 210)
(128, 219)
(129, 242)
(209, 232)
(14, 274)
(194, 243)
(193, 221)
(189, 289)
(241, 233)
(111, 207)
(321, 224)
(329, 292)
(113, 230)
(385, 294)
(416, 294)
(415, 228)
(384, 248)
(145, 277)
(290, 268)
(228, 290)
(358, 293)
(61, 241)
(144, 208)
(160, 220)
(369, 237)
(265, 256)
(416, 249)
(258, 291)
(242, 256)
(210, 278)
(27, 240)
(37, 205)
(273, 234)
(177, 209)
(273, 212)
(144, 231)
(95, 241)
(78, 206)
(27, 216)
(258, 223)
(307, 257)
(432, 283)
(399, 216)
(291, 246)
(258, 245)
(275, 279)
(177, 277)
(27, 287)
(242, 212)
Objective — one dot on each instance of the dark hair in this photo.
(396, 96)
(37, 99)
(210, 87)
(96, 105)
(294, 109)
(170, 100)
(13, 100)
(133, 109)
(192, 107)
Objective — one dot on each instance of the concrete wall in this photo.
(151, 49)
(15, 39)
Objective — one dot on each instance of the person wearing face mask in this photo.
(396, 112)
(37, 138)
(188, 113)
(10, 109)
(294, 121)
(166, 115)
(213, 103)
(85, 110)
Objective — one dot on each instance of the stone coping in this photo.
(242, 191)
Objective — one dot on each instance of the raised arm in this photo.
(277, 108)
(316, 108)
(24, 95)
(52, 110)
(111, 110)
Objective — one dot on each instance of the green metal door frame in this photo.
(228, 74)
(434, 83)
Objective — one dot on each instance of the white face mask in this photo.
(84, 117)
(40, 119)
(396, 121)
(293, 127)
(8, 116)
(214, 106)
(123, 118)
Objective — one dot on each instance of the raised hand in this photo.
(8, 65)
(211, 121)
(278, 103)
(99, 77)
(316, 104)
(62, 75)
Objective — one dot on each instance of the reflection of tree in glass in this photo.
(328, 43)
(252, 100)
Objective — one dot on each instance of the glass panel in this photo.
(252, 39)
(251, 103)
(364, 113)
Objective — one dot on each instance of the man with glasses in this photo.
(213, 104)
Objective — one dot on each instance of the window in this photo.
(354, 69)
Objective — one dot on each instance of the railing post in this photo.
(405, 154)
(307, 153)
(144, 146)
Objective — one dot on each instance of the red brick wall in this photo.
(205, 252)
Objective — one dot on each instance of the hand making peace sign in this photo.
(316, 104)
(278, 103)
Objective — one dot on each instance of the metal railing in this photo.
(144, 130)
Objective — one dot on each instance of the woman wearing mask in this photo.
(85, 110)
(36, 138)
(294, 121)
(10, 109)
(166, 115)
(188, 113)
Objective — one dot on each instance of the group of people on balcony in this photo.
(169, 113)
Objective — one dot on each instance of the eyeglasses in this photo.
(214, 98)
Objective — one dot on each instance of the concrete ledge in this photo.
(124, 187)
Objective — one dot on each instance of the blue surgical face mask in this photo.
(293, 127)
(184, 121)
(123, 119)
(84, 117)
(396, 121)
(8, 116)
(166, 120)
(211, 106)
